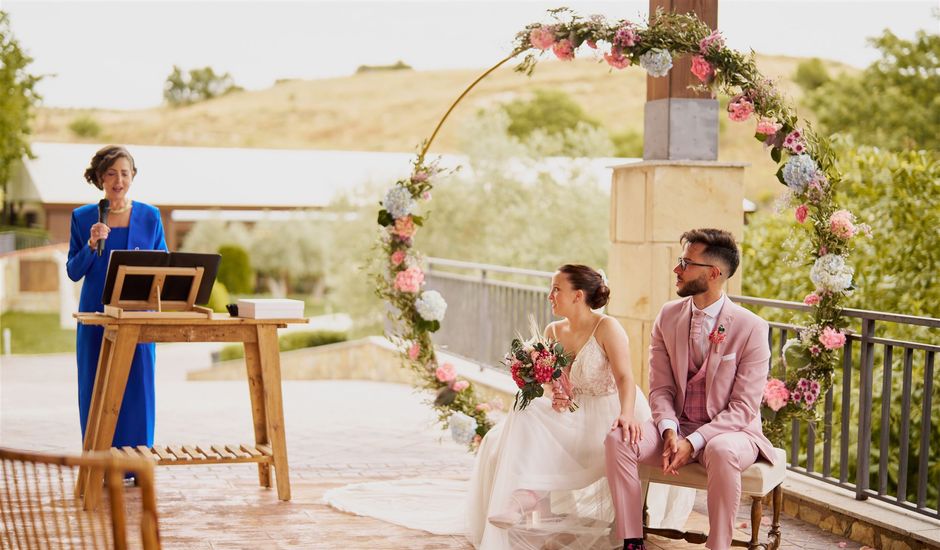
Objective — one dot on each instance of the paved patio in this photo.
(338, 432)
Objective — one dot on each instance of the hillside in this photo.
(396, 110)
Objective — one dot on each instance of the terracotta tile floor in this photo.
(337, 433)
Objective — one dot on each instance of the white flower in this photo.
(657, 62)
(398, 202)
(462, 428)
(799, 171)
(830, 273)
(431, 306)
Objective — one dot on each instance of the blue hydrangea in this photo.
(657, 62)
(462, 428)
(799, 171)
(398, 202)
(431, 306)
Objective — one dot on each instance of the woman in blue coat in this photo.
(131, 226)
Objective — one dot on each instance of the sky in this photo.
(117, 55)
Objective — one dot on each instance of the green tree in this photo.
(549, 111)
(197, 85)
(85, 126)
(894, 103)
(235, 270)
(811, 74)
(17, 101)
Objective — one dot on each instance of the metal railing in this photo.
(883, 394)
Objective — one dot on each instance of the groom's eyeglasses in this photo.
(683, 264)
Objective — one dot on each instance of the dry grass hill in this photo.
(396, 110)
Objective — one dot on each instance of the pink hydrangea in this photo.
(542, 37)
(445, 373)
(616, 59)
(398, 257)
(461, 385)
(414, 351)
(801, 212)
(811, 299)
(768, 127)
(832, 338)
(409, 280)
(776, 394)
(405, 227)
(701, 68)
(712, 40)
(740, 108)
(542, 372)
(564, 50)
(842, 224)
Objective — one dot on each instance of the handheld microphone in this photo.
(103, 206)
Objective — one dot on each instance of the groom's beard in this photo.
(693, 287)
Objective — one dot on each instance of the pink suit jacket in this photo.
(735, 377)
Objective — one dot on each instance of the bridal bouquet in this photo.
(535, 362)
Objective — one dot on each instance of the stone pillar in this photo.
(652, 204)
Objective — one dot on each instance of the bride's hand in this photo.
(560, 398)
(632, 431)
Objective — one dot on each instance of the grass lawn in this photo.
(37, 333)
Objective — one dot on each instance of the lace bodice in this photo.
(590, 372)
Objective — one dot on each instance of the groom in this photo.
(708, 366)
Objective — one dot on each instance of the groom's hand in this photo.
(670, 448)
(681, 457)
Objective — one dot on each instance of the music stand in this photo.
(154, 283)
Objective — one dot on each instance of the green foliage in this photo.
(17, 101)
(85, 126)
(628, 143)
(811, 74)
(37, 333)
(290, 341)
(198, 85)
(397, 66)
(894, 103)
(235, 270)
(219, 298)
(551, 112)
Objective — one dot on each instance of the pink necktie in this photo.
(695, 336)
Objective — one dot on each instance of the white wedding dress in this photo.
(557, 455)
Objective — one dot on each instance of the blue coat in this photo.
(144, 232)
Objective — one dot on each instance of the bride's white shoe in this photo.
(522, 502)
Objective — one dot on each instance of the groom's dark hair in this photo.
(719, 245)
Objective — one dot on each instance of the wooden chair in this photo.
(39, 508)
(757, 482)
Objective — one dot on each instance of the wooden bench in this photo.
(757, 482)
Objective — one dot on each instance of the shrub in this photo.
(235, 270)
(219, 297)
(85, 126)
(289, 342)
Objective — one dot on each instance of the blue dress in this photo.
(136, 420)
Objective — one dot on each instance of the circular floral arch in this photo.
(805, 166)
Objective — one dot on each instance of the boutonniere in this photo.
(718, 335)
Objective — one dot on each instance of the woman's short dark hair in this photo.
(589, 281)
(719, 245)
(104, 159)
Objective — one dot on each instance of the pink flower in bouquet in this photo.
(414, 351)
(740, 108)
(713, 40)
(831, 338)
(591, 44)
(814, 350)
(823, 250)
(461, 385)
(776, 394)
(616, 59)
(405, 227)
(701, 68)
(419, 176)
(796, 396)
(426, 195)
(398, 257)
(768, 127)
(514, 372)
(542, 37)
(801, 212)
(812, 299)
(409, 280)
(564, 49)
(542, 372)
(445, 373)
(484, 407)
(626, 36)
(842, 224)
(809, 399)
(794, 142)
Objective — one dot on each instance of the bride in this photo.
(539, 479)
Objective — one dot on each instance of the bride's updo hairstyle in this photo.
(582, 277)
